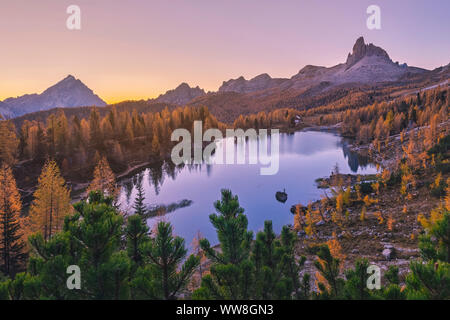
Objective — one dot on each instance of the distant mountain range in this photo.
(367, 66)
(367, 75)
(69, 92)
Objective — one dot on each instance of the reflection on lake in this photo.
(304, 156)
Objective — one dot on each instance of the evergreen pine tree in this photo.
(231, 225)
(356, 281)
(139, 202)
(91, 239)
(430, 279)
(392, 290)
(292, 266)
(168, 270)
(277, 271)
(232, 272)
(137, 234)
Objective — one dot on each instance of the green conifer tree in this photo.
(137, 234)
(139, 202)
(90, 239)
(168, 271)
(232, 271)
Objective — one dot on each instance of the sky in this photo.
(138, 49)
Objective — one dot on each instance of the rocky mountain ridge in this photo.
(69, 92)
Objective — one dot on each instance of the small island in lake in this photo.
(160, 210)
(281, 196)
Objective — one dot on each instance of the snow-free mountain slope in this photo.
(181, 95)
(69, 92)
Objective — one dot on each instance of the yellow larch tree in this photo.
(336, 248)
(362, 217)
(51, 202)
(201, 254)
(104, 179)
(340, 202)
(298, 220)
(390, 223)
(309, 221)
(8, 142)
(12, 247)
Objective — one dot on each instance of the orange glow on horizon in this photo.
(154, 48)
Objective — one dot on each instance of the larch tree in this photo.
(328, 281)
(62, 132)
(155, 143)
(51, 134)
(104, 179)
(12, 248)
(95, 136)
(199, 252)
(51, 202)
(9, 143)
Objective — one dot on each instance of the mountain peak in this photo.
(262, 77)
(260, 82)
(69, 85)
(181, 95)
(69, 92)
(359, 44)
(361, 50)
(68, 79)
(183, 85)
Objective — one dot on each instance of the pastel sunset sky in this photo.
(137, 49)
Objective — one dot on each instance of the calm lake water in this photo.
(304, 157)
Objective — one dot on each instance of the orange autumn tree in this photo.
(8, 142)
(330, 264)
(12, 248)
(104, 179)
(51, 202)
